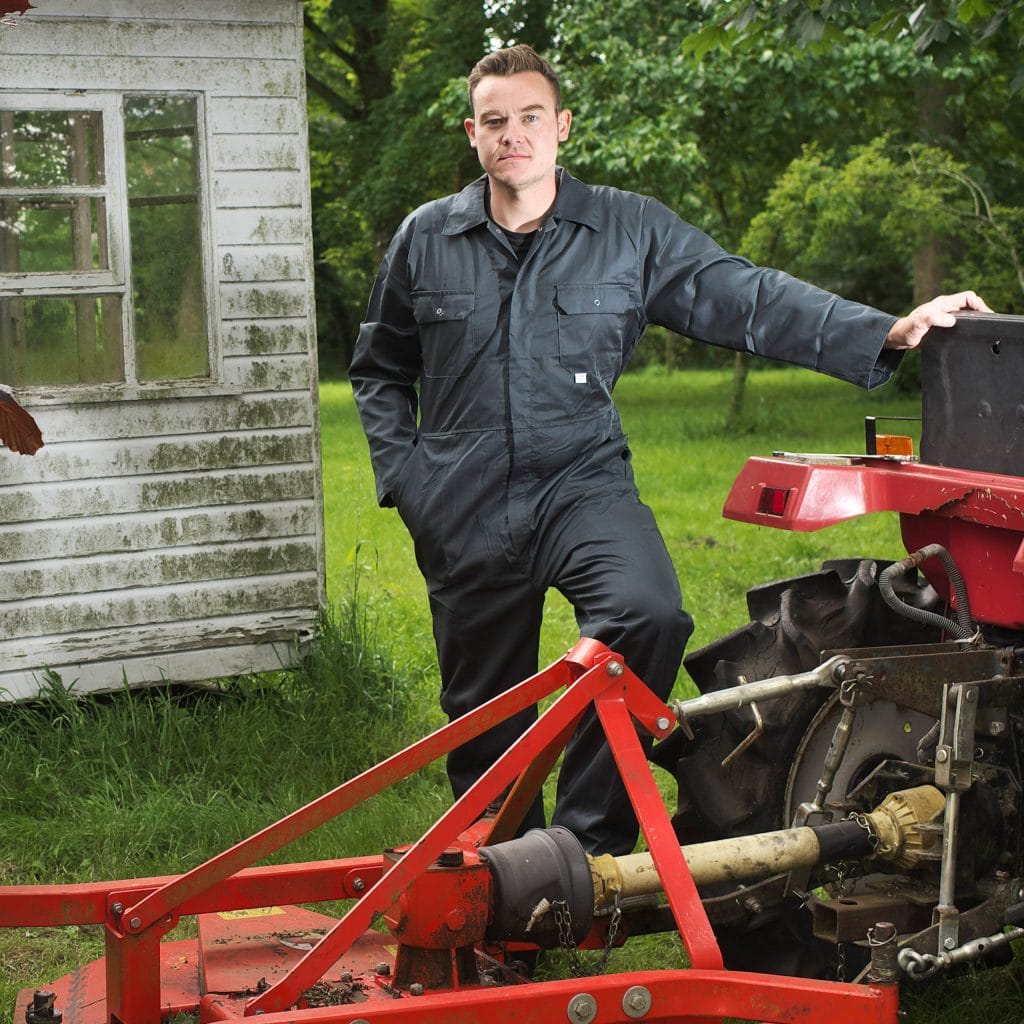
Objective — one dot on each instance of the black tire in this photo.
(792, 622)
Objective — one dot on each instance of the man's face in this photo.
(515, 129)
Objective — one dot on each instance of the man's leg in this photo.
(487, 638)
(612, 564)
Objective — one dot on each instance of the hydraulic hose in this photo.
(963, 628)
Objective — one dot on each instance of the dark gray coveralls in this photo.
(508, 464)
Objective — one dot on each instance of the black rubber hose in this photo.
(963, 628)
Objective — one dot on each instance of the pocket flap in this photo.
(437, 307)
(592, 298)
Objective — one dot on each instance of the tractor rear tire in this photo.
(792, 623)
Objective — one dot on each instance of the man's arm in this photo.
(703, 292)
(693, 286)
(385, 368)
(908, 331)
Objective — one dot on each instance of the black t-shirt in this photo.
(520, 241)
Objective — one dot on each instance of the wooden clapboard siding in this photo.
(148, 531)
(257, 152)
(252, 338)
(80, 498)
(117, 571)
(33, 72)
(262, 227)
(202, 599)
(175, 531)
(232, 11)
(179, 650)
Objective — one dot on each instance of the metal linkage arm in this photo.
(828, 673)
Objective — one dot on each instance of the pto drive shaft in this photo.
(549, 867)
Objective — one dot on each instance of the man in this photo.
(514, 306)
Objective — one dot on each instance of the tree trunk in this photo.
(740, 369)
(936, 259)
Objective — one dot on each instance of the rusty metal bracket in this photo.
(914, 676)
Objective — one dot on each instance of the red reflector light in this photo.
(773, 501)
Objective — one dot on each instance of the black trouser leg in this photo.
(612, 564)
(487, 639)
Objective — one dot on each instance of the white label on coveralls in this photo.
(581, 378)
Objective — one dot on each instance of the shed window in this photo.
(101, 257)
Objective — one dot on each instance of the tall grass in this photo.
(141, 783)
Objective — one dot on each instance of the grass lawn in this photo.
(684, 461)
(150, 784)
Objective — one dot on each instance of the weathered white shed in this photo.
(157, 318)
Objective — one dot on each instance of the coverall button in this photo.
(439, 311)
(597, 302)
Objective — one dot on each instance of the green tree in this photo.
(855, 224)
(704, 106)
(382, 139)
(374, 70)
(964, 50)
(952, 71)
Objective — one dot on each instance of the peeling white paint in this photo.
(175, 531)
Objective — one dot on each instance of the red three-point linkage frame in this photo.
(137, 914)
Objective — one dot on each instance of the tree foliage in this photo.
(854, 224)
(723, 110)
(933, 27)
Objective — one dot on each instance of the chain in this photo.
(862, 821)
(563, 921)
(613, 927)
(918, 965)
(841, 961)
(841, 867)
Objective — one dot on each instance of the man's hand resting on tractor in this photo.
(908, 331)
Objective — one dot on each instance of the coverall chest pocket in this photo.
(445, 321)
(594, 324)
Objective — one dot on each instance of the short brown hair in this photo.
(511, 61)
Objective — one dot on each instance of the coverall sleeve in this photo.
(693, 286)
(385, 368)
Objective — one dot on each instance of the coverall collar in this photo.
(572, 202)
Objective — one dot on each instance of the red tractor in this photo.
(930, 688)
(849, 813)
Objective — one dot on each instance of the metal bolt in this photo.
(358, 884)
(614, 668)
(42, 1010)
(663, 723)
(582, 1008)
(453, 857)
(383, 969)
(636, 1002)
(996, 728)
(135, 922)
(941, 755)
(752, 905)
(117, 908)
(949, 942)
(971, 695)
(415, 989)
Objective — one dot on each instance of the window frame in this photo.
(116, 280)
